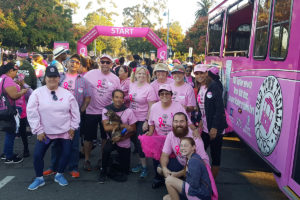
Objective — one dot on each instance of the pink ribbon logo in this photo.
(199, 98)
(99, 84)
(177, 148)
(161, 122)
(66, 85)
(130, 97)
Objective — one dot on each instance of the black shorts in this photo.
(91, 127)
(215, 147)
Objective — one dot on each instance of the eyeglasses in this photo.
(54, 97)
(105, 62)
(164, 94)
(74, 61)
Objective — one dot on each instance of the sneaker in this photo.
(38, 182)
(60, 179)
(3, 156)
(102, 177)
(14, 160)
(75, 174)
(144, 172)
(87, 166)
(48, 172)
(137, 169)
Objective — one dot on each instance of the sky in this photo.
(179, 10)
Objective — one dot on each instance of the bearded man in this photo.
(175, 166)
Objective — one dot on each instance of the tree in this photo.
(204, 6)
(24, 23)
(103, 43)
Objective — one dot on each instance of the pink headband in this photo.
(22, 54)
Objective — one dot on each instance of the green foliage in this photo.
(24, 23)
(204, 6)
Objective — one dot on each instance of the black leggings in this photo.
(136, 141)
(23, 134)
(215, 147)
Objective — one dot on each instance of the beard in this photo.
(180, 131)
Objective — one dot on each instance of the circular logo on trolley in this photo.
(268, 115)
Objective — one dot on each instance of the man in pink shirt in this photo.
(103, 83)
(175, 166)
(122, 143)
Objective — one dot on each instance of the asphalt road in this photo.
(243, 176)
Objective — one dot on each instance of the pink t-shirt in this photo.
(139, 98)
(8, 83)
(127, 117)
(172, 145)
(69, 82)
(155, 84)
(125, 88)
(200, 100)
(162, 118)
(102, 87)
(189, 81)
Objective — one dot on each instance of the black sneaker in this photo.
(3, 156)
(14, 160)
(102, 177)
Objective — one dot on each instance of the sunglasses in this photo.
(74, 61)
(54, 97)
(105, 62)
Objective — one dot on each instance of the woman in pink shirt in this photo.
(183, 92)
(141, 96)
(123, 72)
(161, 72)
(53, 115)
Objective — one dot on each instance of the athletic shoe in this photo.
(48, 172)
(137, 169)
(75, 174)
(144, 172)
(38, 182)
(102, 177)
(87, 166)
(60, 179)
(14, 160)
(3, 156)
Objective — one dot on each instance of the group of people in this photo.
(168, 115)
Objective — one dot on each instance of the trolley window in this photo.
(238, 29)
(280, 29)
(262, 29)
(215, 35)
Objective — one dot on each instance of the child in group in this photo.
(197, 184)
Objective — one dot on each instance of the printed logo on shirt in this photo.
(25, 72)
(209, 95)
(133, 104)
(80, 90)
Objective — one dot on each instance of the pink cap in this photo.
(106, 56)
(214, 70)
(176, 61)
(200, 68)
(166, 87)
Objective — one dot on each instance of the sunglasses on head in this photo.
(54, 97)
(74, 61)
(105, 62)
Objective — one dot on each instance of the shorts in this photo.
(185, 192)
(174, 165)
(215, 147)
(91, 127)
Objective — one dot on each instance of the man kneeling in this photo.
(119, 143)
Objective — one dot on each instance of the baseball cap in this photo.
(51, 71)
(58, 51)
(200, 68)
(214, 70)
(166, 87)
(161, 67)
(176, 61)
(106, 56)
(178, 68)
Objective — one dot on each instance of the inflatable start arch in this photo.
(123, 32)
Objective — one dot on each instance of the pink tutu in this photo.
(215, 194)
(152, 145)
(230, 127)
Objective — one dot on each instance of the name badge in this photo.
(80, 90)
(209, 95)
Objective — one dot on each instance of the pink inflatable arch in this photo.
(123, 32)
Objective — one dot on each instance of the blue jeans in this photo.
(40, 150)
(56, 150)
(9, 141)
